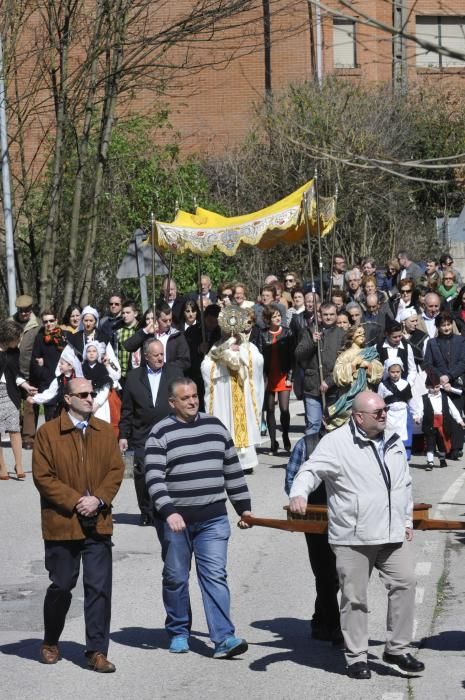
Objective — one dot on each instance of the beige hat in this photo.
(23, 302)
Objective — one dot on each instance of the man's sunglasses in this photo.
(84, 394)
(377, 414)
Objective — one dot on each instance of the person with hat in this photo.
(397, 395)
(68, 368)
(30, 325)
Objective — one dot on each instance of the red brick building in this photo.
(217, 109)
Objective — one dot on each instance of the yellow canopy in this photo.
(205, 231)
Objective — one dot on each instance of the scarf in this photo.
(55, 337)
(447, 293)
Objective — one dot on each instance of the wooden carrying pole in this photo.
(316, 520)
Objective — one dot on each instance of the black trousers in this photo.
(323, 563)
(143, 498)
(62, 561)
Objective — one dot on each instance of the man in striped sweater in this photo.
(190, 466)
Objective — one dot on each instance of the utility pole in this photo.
(7, 209)
(319, 45)
(399, 48)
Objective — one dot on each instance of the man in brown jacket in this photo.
(77, 469)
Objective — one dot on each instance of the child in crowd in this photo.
(68, 368)
(95, 370)
(397, 395)
(438, 415)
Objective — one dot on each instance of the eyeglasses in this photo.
(405, 291)
(114, 303)
(448, 279)
(48, 320)
(377, 414)
(85, 394)
(289, 279)
(226, 296)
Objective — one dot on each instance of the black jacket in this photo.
(175, 309)
(138, 414)
(177, 349)
(285, 347)
(77, 340)
(446, 355)
(42, 376)
(9, 366)
(306, 355)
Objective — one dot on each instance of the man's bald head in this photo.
(432, 304)
(369, 413)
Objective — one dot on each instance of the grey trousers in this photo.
(354, 566)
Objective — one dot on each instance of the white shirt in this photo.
(154, 381)
(430, 325)
(163, 338)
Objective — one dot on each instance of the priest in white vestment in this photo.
(232, 372)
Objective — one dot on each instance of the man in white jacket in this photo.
(368, 484)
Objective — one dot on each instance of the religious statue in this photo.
(357, 368)
(232, 372)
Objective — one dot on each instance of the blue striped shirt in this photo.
(190, 467)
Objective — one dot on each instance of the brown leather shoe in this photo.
(99, 662)
(49, 653)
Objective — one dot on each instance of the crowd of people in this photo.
(396, 334)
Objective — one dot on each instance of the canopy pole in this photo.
(154, 305)
(171, 258)
(312, 280)
(333, 248)
(202, 311)
(318, 230)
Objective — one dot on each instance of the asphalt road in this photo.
(272, 595)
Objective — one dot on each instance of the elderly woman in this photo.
(357, 368)
(448, 289)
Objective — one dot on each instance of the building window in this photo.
(446, 31)
(344, 48)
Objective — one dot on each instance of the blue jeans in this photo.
(313, 414)
(208, 541)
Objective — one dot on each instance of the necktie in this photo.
(82, 425)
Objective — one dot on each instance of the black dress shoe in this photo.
(405, 663)
(359, 670)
